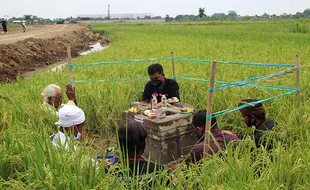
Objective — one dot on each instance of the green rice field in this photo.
(29, 161)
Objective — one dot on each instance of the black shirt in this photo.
(170, 89)
(140, 167)
(265, 126)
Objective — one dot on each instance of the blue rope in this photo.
(247, 82)
(117, 62)
(110, 80)
(192, 60)
(279, 88)
(223, 112)
(70, 66)
(237, 63)
(198, 79)
(250, 81)
(281, 73)
(257, 64)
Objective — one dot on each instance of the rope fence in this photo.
(212, 88)
(70, 66)
(180, 59)
(223, 85)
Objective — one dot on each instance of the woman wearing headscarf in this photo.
(132, 141)
(71, 123)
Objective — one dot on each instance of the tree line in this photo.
(233, 15)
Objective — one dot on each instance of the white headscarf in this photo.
(70, 115)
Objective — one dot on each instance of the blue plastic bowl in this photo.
(111, 158)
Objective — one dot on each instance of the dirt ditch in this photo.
(44, 48)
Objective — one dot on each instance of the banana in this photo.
(133, 110)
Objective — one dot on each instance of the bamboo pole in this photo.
(173, 66)
(298, 76)
(209, 109)
(69, 62)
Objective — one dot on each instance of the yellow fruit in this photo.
(131, 110)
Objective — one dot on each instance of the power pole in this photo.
(109, 17)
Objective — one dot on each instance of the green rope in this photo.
(110, 80)
(285, 88)
(200, 80)
(192, 60)
(223, 112)
(236, 63)
(257, 64)
(116, 62)
(70, 66)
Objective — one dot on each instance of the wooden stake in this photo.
(69, 62)
(209, 109)
(173, 66)
(298, 76)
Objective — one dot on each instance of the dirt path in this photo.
(39, 31)
(41, 46)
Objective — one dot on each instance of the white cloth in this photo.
(52, 109)
(70, 115)
(60, 139)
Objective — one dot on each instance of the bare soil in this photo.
(41, 46)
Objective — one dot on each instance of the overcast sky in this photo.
(66, 8)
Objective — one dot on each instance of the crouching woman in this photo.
(131, 137)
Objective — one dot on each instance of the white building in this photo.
(115, 16)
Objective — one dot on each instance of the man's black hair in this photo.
(132, 137)
(199, 120)
(155, 68)
(255, 109)
(249, 101)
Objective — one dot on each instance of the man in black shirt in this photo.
(159, 84)
(132, 137)
(255, 116)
